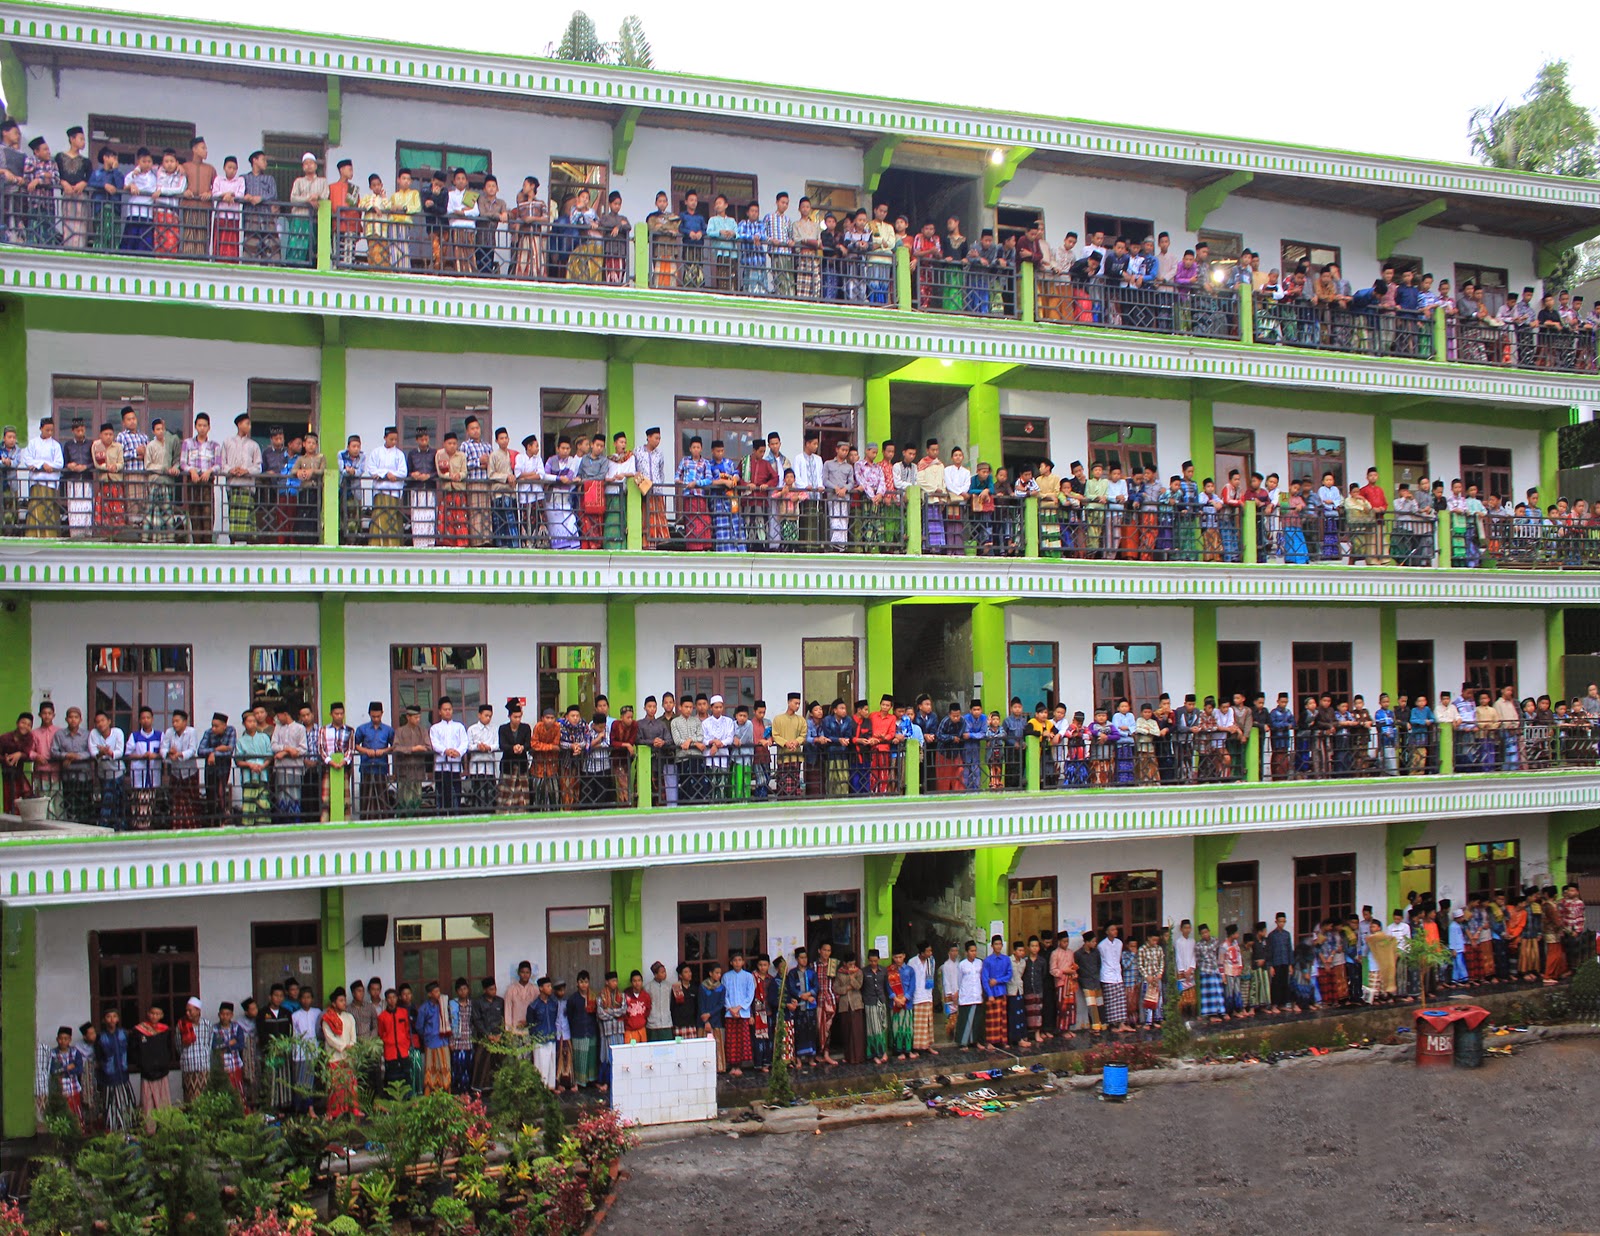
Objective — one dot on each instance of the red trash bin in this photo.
(1436, 1036)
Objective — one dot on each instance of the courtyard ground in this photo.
(1360, 1148)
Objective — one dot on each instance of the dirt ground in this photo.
(1354, 1149)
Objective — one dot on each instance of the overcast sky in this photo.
(1374, 76)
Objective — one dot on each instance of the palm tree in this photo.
(581, 42)
(633, 46)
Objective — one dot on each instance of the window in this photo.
(567, 176)
(735, 422)
(1237, 903)
(738, 187)
(578, 938)
(730, 670)
(1410, 462)
(1324, 888)
(1024, 440)
(125, 134)
(124, 677)
(1033, 907)
(1317, 256)
(1123, 446)
(284, 674)
(1311, 456)
(1235, 448)
(283, 951)
(568, 674)
(1490, 664)
(828, 671)
(1402, 263)
(1321, 669)
(1491, 279)
(1413, 665)
(1127, 672)
(1012, 220)
(1417, 872)
(132, 970)
(423, 159)
(1226, 249)
(1116, 225)
(709, 932)
(1493, 867)
(833, 199)
(290, 404)
(423, 674)
(1131, 898)
(1487, 467)
(1238, 669)
(1032, 674)
(833, 423)
(836, 919)
(285, 162)
(441, 950)
(438, 409)
(576, 414)
(96, 401)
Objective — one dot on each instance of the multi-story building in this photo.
(121, 591)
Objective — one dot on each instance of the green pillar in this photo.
(880, 651)
(641, 257)
(1209, 850)
(1441, 337)
(877, 429)
(1030, 527)
(1247, 332)
(1388, 658)
(983, 426)
(1555, 651)
(16, 667)
(1202, 437)
(879, 873)
(622, 653)
(1564, 826)
(330, 673)
(1442, 546)
(1205, 650)
(333, 940)
(632, 518)
(903, 299)
(1025, 292)
(324, 253)
(1549, 464)
(991, 869)
(1249, 538)
(1252, 755)
(19, 932)
(1401, 836)
(332, 398)
(621, 415)
(1032, 764)
(913, 773)
(1447, 751)
(914, 520)
(14, 363)
(627, 921)
(1383, 450)
(989, 653)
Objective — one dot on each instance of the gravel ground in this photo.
(1356, 1149)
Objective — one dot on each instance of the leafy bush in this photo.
(1583, 993)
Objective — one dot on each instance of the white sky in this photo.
(1373, 76)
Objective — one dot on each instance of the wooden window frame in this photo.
(438, 675)
(549, 395)
(441, 423)
(1286, 265)
(287, 169)
(441, 945)
(1096, 666)
(1013, 900)
(1231, 663)
(420, 173)
(1323, 664)
(309, 674)
(145, 959)
(709, 408)
(147, 411)
(1484, 663)
(816, 189)
(1121, 899)
(679, 185)
(831, 435)
(542, 670)
(699, 967)
(1511, 886)
(1489, 475)
(858, 918)
(1218, 473)
(1497, 292)
(1329, 909)
(596, 977)
(314, 980)
(1141, 228)
(144, 124)
(1409, 463)
(1431, 867)
(1316, 459)
(1402, 662)
(1253, 883)
(1125, 450)
(1054, 663)
(679, 672)
(144, 682)
(596, 191)
(264, 411)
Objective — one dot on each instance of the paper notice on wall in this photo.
(996, 928)
(597, 946)
(308, 966)
(881, 943)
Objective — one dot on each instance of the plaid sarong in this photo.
(1116, 997)
(994, 1019)
(921, 1026)
(1211, 1001)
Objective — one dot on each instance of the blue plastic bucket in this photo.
(1114, 1081)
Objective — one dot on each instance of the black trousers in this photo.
(1280, 986)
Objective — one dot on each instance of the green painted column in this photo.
(991, 869)
(332, 401)
(903, 300)
(14, 364)
(1441, 335)
(1030, 527)
(1209, 850)
(1247, 332)
(324, 223)
(989, 653)
(1205, 650)
(1388, 655)
(19, 935)
(879, 872)
(333, 939)
(983, 426)
(880, 652)
(622, 653)
(331, 688)
(877, 430)
(1401, 836)
(643, 777)
(1252, 755)
(1383, 451)
(1249, 537)
(914, 520)
(16, 666)
(1447, 751)
(1202, 437)
(632, 518)
(1555, 651)
(621, 414)
(1032, 765)
(1549, 464)
(1025, 292)
(627, 921)
(913, 769)
(1564, 826)
(641, 257)
(1442, 545)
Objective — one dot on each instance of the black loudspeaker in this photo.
(374, 930)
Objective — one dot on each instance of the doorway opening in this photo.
(932, 197)
(933, 653)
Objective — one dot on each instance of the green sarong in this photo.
(877, 1030)
(900, 1026)
(585, 1059)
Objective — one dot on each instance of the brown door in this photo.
(1131, 898)
(709, 931)
(1324, 887)
(1237, 904)
(1033, 907)
(578, 939)
(283, 951)
(1321, 669)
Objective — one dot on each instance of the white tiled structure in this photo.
(665, 1083)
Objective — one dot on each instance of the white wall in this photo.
(510, 635)
(1076, 629)
(1272, 427)
(1445, 439)
(221, 633)
(1450, 628)
(783, 884)
(1069, 416)
(1064, 200)
(1279, 629)
(221, 372)
(1074, 863)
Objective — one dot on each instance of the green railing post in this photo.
(642, 757)
(902, 280)
(632, 517)
(1247, 330)
(1441, 334)
(325, 242)
(914, 520)
(1447, 749)
(1030, 526)
(1444, 543)
(1249, 529)
(641, 256)
(1032, 763)
(1025, 294)
(913, 769)
(1252, 755)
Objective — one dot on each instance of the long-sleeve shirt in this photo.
(541, 1018)
(444, 737)
(660, 993)
(738, 991)
(996, 974)
(970, 979)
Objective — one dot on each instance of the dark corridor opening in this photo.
(930, 197)
(933, 654)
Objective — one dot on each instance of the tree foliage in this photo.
(633, 46)
(581, 42)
